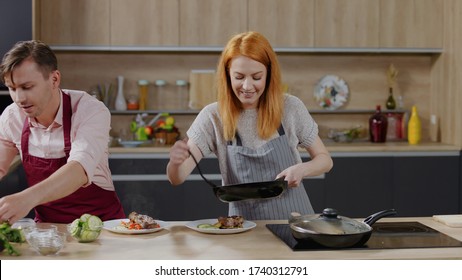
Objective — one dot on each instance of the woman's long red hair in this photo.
(271, 103)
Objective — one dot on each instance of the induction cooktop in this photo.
(393, 235)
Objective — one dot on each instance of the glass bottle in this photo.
(378, 126)
(391, 104)
(414, 130)
(143, 94)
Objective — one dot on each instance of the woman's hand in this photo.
(293, 175)
(179, 152)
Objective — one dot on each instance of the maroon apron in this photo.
(91, 199)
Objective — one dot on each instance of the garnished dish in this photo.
(222, 225)
(135, 224)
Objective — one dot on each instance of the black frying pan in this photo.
(245, 191)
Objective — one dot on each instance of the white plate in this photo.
(130, 144)
(248, 225)
(331, 92)
(115, 226)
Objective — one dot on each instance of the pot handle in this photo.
(375, 217)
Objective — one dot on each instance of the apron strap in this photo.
(281, 132)
(67, 116)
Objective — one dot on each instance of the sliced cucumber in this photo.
(85, 217)
(94, 223)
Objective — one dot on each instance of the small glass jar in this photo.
(182, 95)
(160, 94)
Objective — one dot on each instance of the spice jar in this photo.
(143, 94)
(160, 94)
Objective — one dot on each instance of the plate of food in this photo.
(331, 92)
(222, 225)
(135, 224)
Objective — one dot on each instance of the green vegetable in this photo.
(87, 228)
(7, 235)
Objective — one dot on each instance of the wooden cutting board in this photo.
(201, 88)
(449, 220)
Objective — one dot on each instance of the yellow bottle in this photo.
(414, 130)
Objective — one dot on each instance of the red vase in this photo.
(378, 126)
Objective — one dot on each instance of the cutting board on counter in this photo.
(201, 88)
(449, 220)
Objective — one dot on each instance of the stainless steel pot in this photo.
(331, 230)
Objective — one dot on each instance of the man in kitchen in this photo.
(255, 130)
(62, 138)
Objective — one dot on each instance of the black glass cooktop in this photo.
(394, 235)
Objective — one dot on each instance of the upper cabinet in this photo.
(210, 23)
(347, 24)
(70, 22)
(411, 23)
(144, 23)
(285, 23)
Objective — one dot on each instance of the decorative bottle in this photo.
(120, 103)
(391, 104)
(414, 130)
(378, 126)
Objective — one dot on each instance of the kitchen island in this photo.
(177, 242)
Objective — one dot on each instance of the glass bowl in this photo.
(46, 239)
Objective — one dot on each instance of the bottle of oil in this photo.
(143, 92)
(391, 104)
(414, 130)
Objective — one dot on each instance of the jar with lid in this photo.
(143, 94)
(161, 94)
(182, 95)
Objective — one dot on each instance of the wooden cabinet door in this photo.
(211, 22)
(411, 23)
(70, 22)
(144, 23)
(347, 24)
(285, 23)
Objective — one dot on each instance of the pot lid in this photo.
(329, 222)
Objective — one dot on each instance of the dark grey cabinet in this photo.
(426, 186)
(357, 186)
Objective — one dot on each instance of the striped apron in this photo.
(246, 165)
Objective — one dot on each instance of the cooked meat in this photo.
(231, 221)
(144, 220)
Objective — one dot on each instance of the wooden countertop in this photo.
(334, 148)
(179, 242)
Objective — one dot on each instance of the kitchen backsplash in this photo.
(365, 75)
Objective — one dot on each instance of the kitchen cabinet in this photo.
(426, 186)
(285, 23)
(144, 23)
(346, 24)
(211, 22)
(414, 185)
(68, 22)
(411, 23)
(360, 186)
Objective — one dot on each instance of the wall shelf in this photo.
(219, 49)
